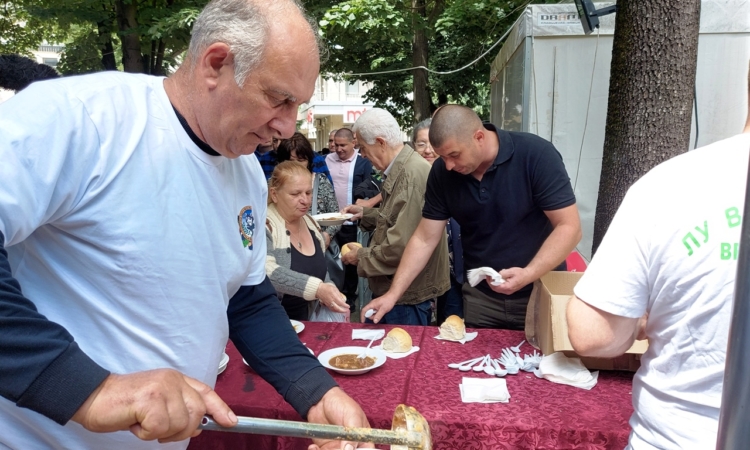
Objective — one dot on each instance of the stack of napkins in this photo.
(367, 334)
(484, 390)
(558, 368)
(476, 276)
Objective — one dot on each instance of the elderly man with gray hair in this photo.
(130, 209)
(394, 221)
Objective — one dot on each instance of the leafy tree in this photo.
(146, 36)
(364, 36)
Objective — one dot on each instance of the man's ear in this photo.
(381, 143)
(215, 60)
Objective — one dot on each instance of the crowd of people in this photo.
(144, 221)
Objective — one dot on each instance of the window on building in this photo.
(52, 62)
(352, 89)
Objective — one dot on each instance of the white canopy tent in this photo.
(551, 79)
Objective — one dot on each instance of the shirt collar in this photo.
(505, 144)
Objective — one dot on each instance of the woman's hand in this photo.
(330, 296)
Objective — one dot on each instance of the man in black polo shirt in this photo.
(511, 196)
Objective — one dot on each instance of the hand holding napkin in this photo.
(484, 390)
(558, 368)
(476, 276)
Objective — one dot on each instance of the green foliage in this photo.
(88, 27)
(365, 36)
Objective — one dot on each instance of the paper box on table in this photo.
(547, 328)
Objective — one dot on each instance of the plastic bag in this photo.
(323, 314)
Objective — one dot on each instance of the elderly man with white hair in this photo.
(394, 221)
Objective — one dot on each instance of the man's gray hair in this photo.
(241, 24)
(423, 125)
(378, 123)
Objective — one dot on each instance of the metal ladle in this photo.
(410, 431)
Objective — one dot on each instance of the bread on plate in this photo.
(453, 328)
(397, 341)
(349, 247)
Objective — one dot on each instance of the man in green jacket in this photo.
(394, 221)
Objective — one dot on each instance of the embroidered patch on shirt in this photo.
(246, 221)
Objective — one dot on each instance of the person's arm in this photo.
(418, 251)
(597, 333)
(566, 234)
(259, 328)
(371, 202)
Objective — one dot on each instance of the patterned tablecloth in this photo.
(540, 415)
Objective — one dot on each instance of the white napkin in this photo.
(468, 337)
(367, 335)
(558, 368)
(414, 349)
(476, 276)
(484, 390)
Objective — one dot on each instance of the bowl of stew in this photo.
(345, 360)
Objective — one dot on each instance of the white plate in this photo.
(298, 326)
(223, 363)
(331, 219)
(326, 356)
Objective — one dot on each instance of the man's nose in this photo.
(285, 123)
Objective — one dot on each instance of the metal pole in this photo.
(734, 432)
(273, 427)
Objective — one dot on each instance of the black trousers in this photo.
(348, 233)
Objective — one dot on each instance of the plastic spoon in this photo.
(481, 365)
(470, 361)
(363, 355)
(499, 371)
(468, 367)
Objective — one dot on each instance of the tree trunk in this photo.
(132, 60)
(420, 58)
(650, 102)
(108, 51)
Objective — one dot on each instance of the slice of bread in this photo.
(397, 341)
(453, 328)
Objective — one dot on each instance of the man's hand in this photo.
(158, 404)
(515, 278)
(355, 210)
(351, 257)
(382, 305)
(337, 408)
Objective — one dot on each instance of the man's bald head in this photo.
(453, 122)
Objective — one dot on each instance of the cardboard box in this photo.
(547, 327)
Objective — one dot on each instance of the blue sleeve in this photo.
(320, 166)
(260, 329)
(41, 366)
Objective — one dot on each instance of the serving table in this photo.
(540, 414)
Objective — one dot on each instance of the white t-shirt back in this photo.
(671, 251)
(122, 230)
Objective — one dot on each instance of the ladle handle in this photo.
(274, 427)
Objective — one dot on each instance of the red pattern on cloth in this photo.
(540, 415)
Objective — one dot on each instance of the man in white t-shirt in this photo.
(129, 253)
(665, 271)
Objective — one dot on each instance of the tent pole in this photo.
(734, 432)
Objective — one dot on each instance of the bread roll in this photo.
(397, 341)
(349, 247)
(453, 328)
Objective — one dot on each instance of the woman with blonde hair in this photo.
(295, 260)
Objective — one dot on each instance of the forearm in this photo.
(41, 367)
(260, 330)
(554, 250)
(597, 333)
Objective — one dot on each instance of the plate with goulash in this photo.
(346, 360)
(331, 219)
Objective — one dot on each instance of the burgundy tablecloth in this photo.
(540, 415)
